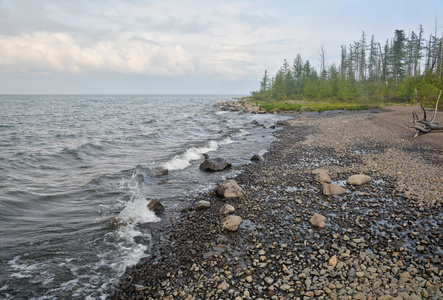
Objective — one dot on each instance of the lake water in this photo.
(71, 166)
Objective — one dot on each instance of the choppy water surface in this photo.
(69, 165)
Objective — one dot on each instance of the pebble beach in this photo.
(380, 240)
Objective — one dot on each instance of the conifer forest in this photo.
(406, 68)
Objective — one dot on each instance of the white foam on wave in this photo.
(136, 212)
(240, 133)
(130, 251)
(222, 112)
(226, 141)
(22, 270)
(182, 161)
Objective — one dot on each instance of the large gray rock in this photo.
(323, 176)
(229, 189)
(358, 179)
(231, 223)
(332, 189)
(316, 171)
(317, 221)
(214, 165)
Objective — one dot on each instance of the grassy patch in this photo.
(338, 106)
(319, 106)
(280, 106)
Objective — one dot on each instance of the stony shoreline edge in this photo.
(381, 240)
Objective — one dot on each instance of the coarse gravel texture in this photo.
(382, 240)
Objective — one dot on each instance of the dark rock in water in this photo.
(162, 172)
(156, 206)
(214, 165)
(256, 158)
(114, 223)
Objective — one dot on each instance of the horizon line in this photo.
(117, 94)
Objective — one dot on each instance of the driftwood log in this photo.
(424, 126)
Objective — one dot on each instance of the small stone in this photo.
(420, 248)
(201, 205)
(432, 289)
(223, 286)
(286, 270)
(340, 265)
(405, 275)
(333, 261)
(226, 209)
(249, 279)
(140, 288)
(285, 287)
(359, 296)
(351, 273)
(309, 294)
(269, 280)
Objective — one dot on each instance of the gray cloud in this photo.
(232, 40)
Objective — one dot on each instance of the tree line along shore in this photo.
(402, 70)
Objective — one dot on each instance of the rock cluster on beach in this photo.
(380, 237)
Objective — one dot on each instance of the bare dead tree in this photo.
(425, 126)
(322, 56)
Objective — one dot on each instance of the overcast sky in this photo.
(176, 46)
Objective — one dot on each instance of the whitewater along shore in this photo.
(379, 240)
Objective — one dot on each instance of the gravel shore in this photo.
(382, 240)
